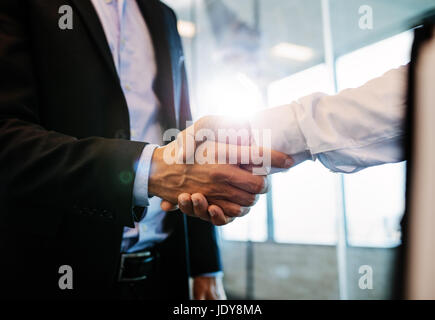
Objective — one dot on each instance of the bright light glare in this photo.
(186, 29)
(237, 96)
(358, 67)
(292, 51)
(300, 84)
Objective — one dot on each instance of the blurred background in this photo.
(309, 236)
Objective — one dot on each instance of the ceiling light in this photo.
(292, 51)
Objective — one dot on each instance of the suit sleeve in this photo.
(42, 168)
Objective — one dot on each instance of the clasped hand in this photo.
(209, 178)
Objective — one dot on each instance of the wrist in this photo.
(154, 180)
(166, 179)
(140, 186)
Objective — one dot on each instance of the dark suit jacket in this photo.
(66, 161)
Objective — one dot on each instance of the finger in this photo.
(226, 129)
(245, 211)
(229, 219)
(277, 159)
(212, 128)
(218, 217)
(200, 206)
(255, 155)
(185, 204)
(263, 157)
(168, 206)
(231, 209)
(232, 194)
(245, 180)
(247, 167)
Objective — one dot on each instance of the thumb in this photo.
(221, 129)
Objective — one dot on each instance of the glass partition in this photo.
(247, 55)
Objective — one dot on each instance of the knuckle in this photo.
(199, 124)
(204, 119)
(214, 175)
(217, 191)
(217, 175)
(251, 200)
(201, 211)
(236, 212)
(260, 185)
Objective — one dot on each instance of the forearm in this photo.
(46, 168)
(345, 131)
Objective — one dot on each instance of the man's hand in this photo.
(208, 288)
(196, 204)
(228, 186)
(237, 143)
(179, 168)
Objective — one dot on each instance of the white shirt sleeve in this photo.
(347, 132)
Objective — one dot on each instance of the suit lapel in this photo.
(164, 86)
(155, 20)
(90, 17)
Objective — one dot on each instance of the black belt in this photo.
(138, 266)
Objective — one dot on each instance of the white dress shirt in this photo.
(347, 132)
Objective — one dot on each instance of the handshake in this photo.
(214, 170)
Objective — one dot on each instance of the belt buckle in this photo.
(124, 257)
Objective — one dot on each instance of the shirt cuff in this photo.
(285, 133)
(217, 274)
(140, 187)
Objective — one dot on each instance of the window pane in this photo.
(358, 67)
(304, 203)
(238, 63)
(374, 196)
(250, 227)
(375, 202)
(304, 198)
(389, 17)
